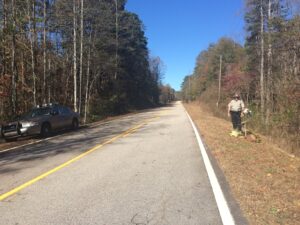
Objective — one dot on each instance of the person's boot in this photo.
(234, 133)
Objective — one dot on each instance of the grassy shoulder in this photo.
(262, 177)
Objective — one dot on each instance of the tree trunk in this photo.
(31, 34)
(269, 86)
(86, 101)
(81, 56)
(44, 54)
(262, 92)
(22, 72)
(4, 6)
(117, 40)
(49, 81)
(34, 51)
(75, 55)
(13, 61)
(295, 64)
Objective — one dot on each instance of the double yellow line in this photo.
(42, 176)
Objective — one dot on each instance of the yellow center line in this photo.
(42, 176)
(134, 129)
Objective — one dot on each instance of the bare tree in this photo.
(13, 59)
(86, 101)
(75, 54)
(262, 52)
(81, 55)
(31, 17)
(117, 39)
(4, 27)
(269, 72)
(44, 51)
(49, 81)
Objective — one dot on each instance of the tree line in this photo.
(265, 70)
(89, 54)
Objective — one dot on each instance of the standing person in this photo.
(235, 108)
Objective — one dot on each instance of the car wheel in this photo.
(46, 130)
(75, 124)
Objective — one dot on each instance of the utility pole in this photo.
(190, 88)
(220, 76)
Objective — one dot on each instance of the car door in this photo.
(56, 118)
(66, 120)
(69, 116)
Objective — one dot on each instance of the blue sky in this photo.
(178, 30)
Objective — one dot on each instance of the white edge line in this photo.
(222, 204)
(30, 143)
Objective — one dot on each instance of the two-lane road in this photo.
(140, 169)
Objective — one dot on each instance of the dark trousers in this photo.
(236, 120)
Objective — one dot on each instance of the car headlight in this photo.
(29, 124)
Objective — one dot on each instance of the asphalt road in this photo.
(140, 169)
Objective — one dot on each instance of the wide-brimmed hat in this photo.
(236, 95)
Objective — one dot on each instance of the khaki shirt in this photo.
(236, 105)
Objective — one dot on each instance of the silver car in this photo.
(41, 121)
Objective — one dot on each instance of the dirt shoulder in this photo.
(262, 177)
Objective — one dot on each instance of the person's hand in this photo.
(228, 114)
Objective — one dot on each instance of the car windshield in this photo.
(36, 112)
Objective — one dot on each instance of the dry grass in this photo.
(263, 178)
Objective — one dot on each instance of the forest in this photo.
(265, 70)
(91, 55)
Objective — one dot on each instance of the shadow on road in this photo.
(69, 141)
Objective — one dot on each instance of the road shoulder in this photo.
(261, 178)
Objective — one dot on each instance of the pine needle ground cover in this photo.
(262, 177)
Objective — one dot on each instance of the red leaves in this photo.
(5, 81)
(237, 81)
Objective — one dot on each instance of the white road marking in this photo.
(31, 143)
(222, 204)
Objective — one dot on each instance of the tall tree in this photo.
(44, 50)
(75, 53)
(81, 54)
(269, 57)
(32, 34)
(262, 60)
(14, 77)
(117, 37)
